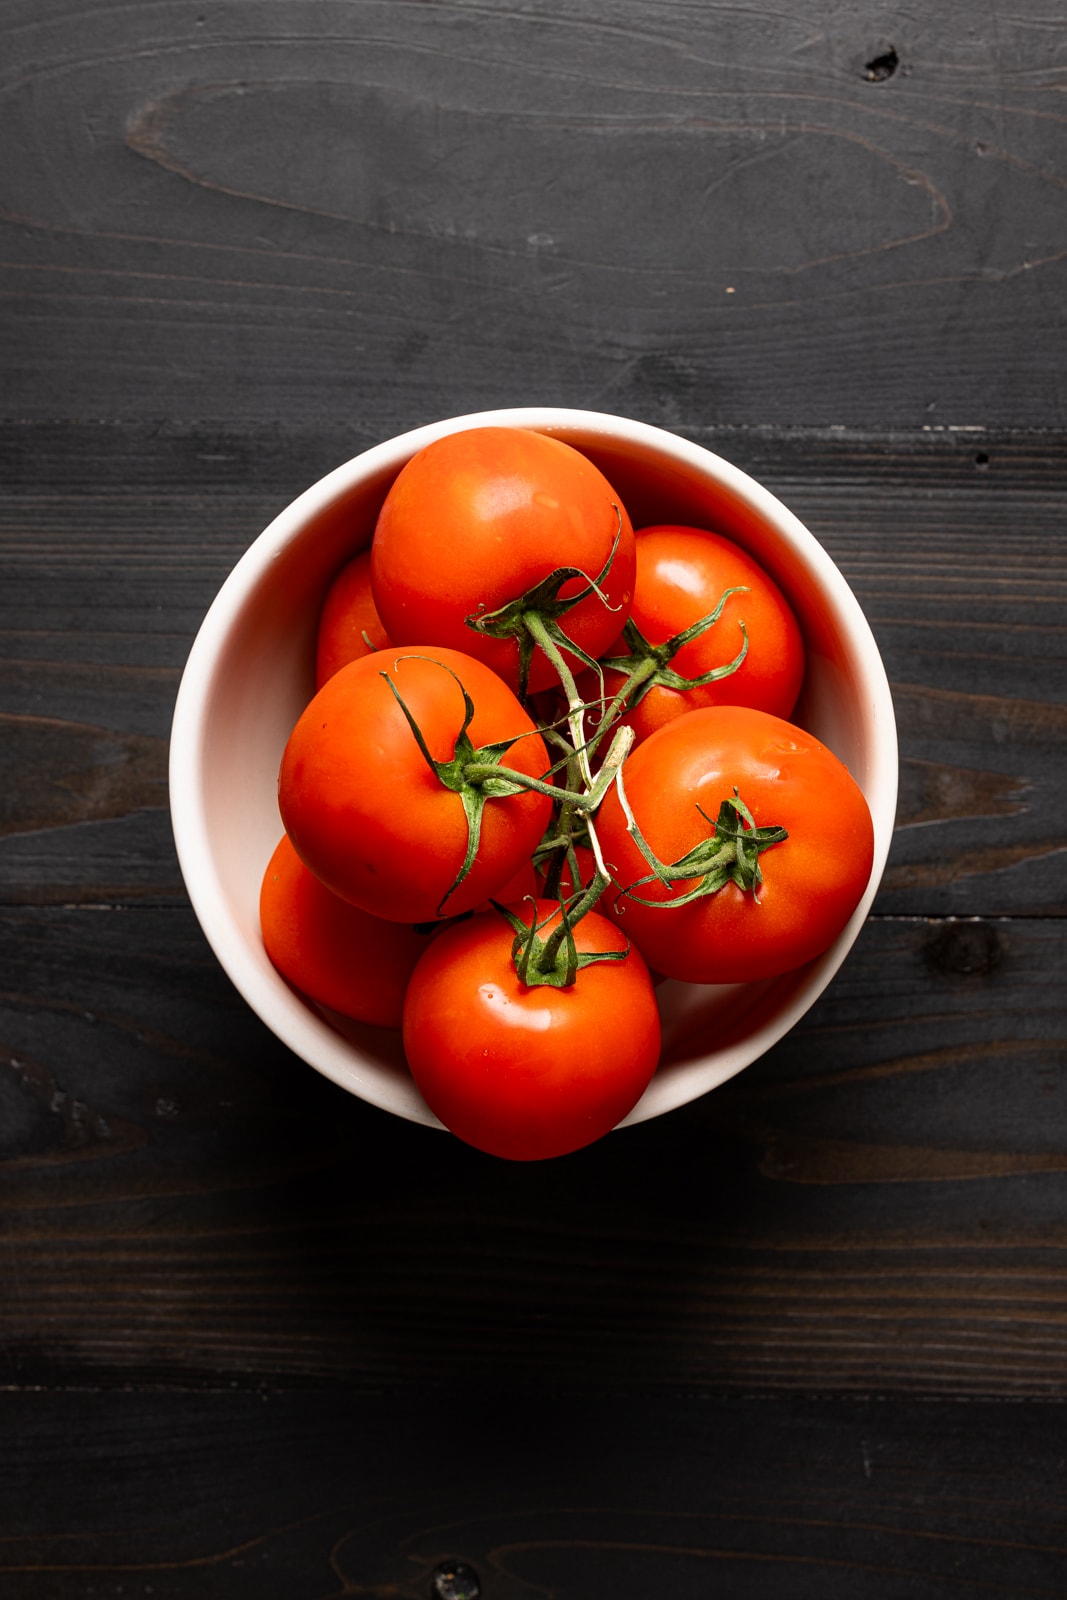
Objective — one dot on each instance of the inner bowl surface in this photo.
(250, 673)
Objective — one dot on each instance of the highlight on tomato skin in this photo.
(332, 952)
(812, 882)
(528, 1074)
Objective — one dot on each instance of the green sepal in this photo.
(730, 855)
(453, 772)
(643, 655)
(510, 621)
(554, 962)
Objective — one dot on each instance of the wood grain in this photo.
(806, 1337)
(825, 216)
(116, 562)
(330, 1494)
(184, 1201)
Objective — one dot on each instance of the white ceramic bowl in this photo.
(250, 673)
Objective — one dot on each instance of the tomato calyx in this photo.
(533, 619)
(556, 961)
(730, 855)
(474, 774)
(648, 665)
(477, 774)
(492, 781)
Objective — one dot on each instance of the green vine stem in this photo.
(477, 775)
(543, 602)
(582, 901)
(544, 636)
(730, 853)
(648, 665)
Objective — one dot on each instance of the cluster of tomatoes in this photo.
(547, 758)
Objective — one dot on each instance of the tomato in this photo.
(368, 813)
(476, 520)
(682, 574)
(529, 1072)
(334, 953)
(523, 884)
(348, 613)
(812, 881)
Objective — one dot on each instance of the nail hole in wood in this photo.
(882, 67)
(968, 948)
(454, 1580)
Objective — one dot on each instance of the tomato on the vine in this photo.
(331, 951)
(547, 766)
(349, 624)
(682, 575)
(413, 832)
(529, 1072)
(676, 783)
(477, 521)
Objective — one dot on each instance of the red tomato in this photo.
(477, 519)
(812, 882)
(331, 951)
(522, 885)
(682, 574)
(348, 613)
(529, 1073)
(368, 814)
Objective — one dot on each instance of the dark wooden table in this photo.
(808, 1336)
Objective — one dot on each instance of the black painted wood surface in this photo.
(833, 213)
(805, 1337)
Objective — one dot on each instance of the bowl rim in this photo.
(290, 1018)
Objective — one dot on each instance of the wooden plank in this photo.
(115, 540)
(877, 1206)
(259, 1338)
(236, 1495)
(676, 212)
